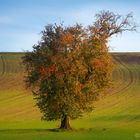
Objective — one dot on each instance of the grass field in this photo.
(116, 115)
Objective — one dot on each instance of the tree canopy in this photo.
(71, 66)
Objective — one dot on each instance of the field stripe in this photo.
(3, 65)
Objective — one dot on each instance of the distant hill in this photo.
(121, 103)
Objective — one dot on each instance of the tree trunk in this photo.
(65, 123)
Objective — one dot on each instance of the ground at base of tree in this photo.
(79, 134)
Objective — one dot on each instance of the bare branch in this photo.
(108, 24)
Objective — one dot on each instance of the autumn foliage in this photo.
(71, 66)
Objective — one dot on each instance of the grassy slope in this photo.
(116, 115)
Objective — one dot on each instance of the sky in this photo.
(21, 21)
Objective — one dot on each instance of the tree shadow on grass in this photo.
(28, 130)
(24, 131)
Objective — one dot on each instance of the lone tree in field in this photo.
(71, 66)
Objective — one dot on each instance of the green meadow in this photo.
(116, 115)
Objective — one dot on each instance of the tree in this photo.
(71, 66)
